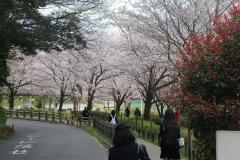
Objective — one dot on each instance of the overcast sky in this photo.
(111, 4)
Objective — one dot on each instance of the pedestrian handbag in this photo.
(181, 142)
(142, 153)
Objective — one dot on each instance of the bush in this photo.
(38, 102)
(209, 82)
(155, 119)
(101, 115)
(3, 117)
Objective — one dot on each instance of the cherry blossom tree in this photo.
(147, 69)
(156, 32)
(120, 89)
(19, 76)
(167, 23)
(56, 71)
(93, 69)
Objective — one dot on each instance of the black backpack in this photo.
(171, 134)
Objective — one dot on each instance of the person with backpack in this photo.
(169, 135)
(85, 115)
(113, 117)
(125, 146)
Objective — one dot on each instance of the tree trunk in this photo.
(148, 104)
(1, 100)
(43, 102)
(4, 50)
(50, 103)
(147, 110)
(162, 107)
(11, 99)
(118, 106)
(61, 100)
(74, 104)
(90, 100)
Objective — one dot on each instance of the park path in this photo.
(44, 141)
(153, 150)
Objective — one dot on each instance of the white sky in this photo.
(112, 5)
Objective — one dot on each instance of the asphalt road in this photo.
(44, 141)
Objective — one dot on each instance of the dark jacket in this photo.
(137, 113)
(85, 113)
(127, 112)
(126, 152)
(163, 132)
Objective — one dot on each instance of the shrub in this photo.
(3, 117)
(38, 102)
(209, 85)
(155, 119)
(102, 115)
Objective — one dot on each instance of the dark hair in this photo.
(123, 135)
(113, 112)
(169, 116)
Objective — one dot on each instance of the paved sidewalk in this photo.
(153, 150)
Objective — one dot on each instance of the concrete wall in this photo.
(228, 145)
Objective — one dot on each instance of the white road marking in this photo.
(26, 144)
(20, 152)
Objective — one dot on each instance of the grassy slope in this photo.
(100, 137)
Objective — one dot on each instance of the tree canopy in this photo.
(25, 27)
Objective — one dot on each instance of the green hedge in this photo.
(3, 117)
(38, 102)
(101, 115)
(147, 125)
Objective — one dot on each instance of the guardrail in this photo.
(103, 126)
(108, 128)
(136, 125)
(56, 117)
(46, 116)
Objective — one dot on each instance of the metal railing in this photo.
(103, 126)
(147, 133)
(47, 116)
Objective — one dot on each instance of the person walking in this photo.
(113, 117)
(137, 113)
(85, 115)
(125, 147)
(127, 112)
(169, 135)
